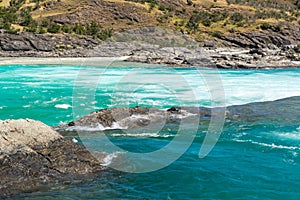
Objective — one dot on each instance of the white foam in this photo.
(142, 135)
(74, 140)
(110, 157)
(276, 146)
(183, 115)
(98, 127)
(115, 126)
(51, 101)
(63, 106)
(295, 135)
(240, 87)
(62, 122)
(273, 146)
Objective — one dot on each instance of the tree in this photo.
(26, 18)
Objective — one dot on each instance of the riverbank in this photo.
(158, 46)
(75, 61)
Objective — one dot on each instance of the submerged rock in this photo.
(130, 118)
(32, 154)
(283, 110)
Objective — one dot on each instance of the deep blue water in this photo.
(255, 158)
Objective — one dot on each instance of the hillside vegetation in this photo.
(101, 18)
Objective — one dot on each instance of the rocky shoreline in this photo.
(33, 155)
(158, 46)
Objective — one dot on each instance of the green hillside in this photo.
(100, 18)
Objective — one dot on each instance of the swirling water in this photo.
(257, 158)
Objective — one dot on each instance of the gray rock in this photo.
(15, 43)
(160, 46)
(33, 155)
(129, 118)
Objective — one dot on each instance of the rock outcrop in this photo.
(45, 45)
(33, 155)
(281, 111)
(132, 118)
(159, 46)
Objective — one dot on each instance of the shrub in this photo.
(93, 29)
(6, 25)
(189, 2)
(265, 26)
(276, 28)
(12, 31)
(66, 29)
(32, 27)
(144, 1)
(297, 3)
(206, 23)
(105, 34)
(53, 28)
(45, 23)
(193, 23)
(26, 18)
(152, 6)
(236, 17)
(217, 34)
(41, 30)
(79, 29)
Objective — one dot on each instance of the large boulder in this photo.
(33, 154)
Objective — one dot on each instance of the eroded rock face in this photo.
(45, 45)
(32, 155)
(25, 42)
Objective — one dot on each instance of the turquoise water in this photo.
(254, 159)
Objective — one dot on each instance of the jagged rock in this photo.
(25, 42)
(39, 43)
(241, 42)
(15, 43)
(32, 155)
(42, 45)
